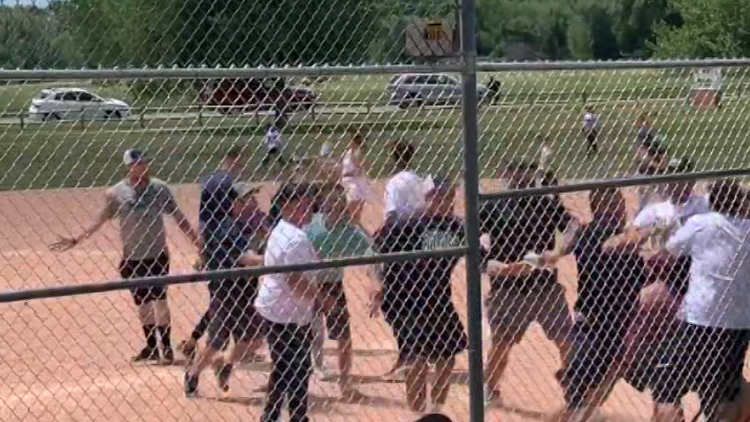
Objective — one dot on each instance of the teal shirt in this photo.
(340, 241)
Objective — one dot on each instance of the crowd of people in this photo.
(662, 301)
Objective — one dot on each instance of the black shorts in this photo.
(146, 268)
(592, 136)
(595, 351)
(233, 315)
(706, 360)
(337, 318)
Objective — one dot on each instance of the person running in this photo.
(494, 86)
(287, 302)
(139, 203)
(405, 191)
(592, 125)
(609, 284)
(334, 236)
(519, 293)
(274, 145)
(714, 332)
(416, 296)
(354, 177)
(237, 242)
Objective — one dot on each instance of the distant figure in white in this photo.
(274, 144)
(405, 193)
(591, 127)
(354, 178)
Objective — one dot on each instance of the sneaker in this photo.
(191, 385)
(323, 372)
(147, 354)
(167, 356)
(223, 373)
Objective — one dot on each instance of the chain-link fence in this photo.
(229, 237)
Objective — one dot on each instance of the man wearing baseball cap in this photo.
(231, 313)
(139, 202)
(287, 301)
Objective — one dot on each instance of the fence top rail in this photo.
(218, 73)
(616, 183)
(262, 72)
(609, 65)
(198, 277)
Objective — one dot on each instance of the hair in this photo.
(233, 153)
(358, 139)
(434, 417)
(727, 196)
(549, 178)
(402, 153)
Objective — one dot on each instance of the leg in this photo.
(147, 319)
(276, 382)
(319, 338)
(416, 385)
(188, 346)
(337, 320)
(164, 327)
(553, 314)
(299, 374)
(441, 385)
(509, 317)
(219, 330)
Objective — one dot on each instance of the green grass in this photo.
(542, 105)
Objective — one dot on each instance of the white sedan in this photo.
(75, 104)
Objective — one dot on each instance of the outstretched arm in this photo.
(186, 227)
(67, 243)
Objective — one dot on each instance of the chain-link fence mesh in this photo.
(264, 168)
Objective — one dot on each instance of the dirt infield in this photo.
(68, 359)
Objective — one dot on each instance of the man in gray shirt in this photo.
(139, 202)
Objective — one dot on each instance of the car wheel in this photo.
(112, 114)
(50, 117)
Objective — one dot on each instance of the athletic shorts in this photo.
(706, 360)
(233, 316)
(146, 268)
(338, 318)
(594, 352)
(512, 309)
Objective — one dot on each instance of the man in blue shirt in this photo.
(217, 197)
(237, 241)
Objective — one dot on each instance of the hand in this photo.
(550, 258)
(63, 244)
(376, 302)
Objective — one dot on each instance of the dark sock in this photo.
(201, 327)
(165, 333)
(150, 332)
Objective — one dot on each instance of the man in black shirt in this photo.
(519, 293)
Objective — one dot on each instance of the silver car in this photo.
(74, 104)
(415, 90)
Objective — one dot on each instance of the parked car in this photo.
(75, 104)
(415, 90)
(241, 95)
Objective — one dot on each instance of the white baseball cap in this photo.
(134, 156)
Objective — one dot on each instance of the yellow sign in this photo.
(435, 31)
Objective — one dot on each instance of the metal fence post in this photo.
(471, 196)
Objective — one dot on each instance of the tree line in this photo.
(136, 33)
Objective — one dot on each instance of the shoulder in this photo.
(119, 191)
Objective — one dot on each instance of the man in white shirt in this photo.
(713, 336)
(405, 192)
(274, 144)
(287, 302)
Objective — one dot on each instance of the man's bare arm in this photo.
(66, 243)
(186, 227)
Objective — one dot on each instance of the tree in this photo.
(710, 28)
(27, 38)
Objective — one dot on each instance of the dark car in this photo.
(239, 95)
